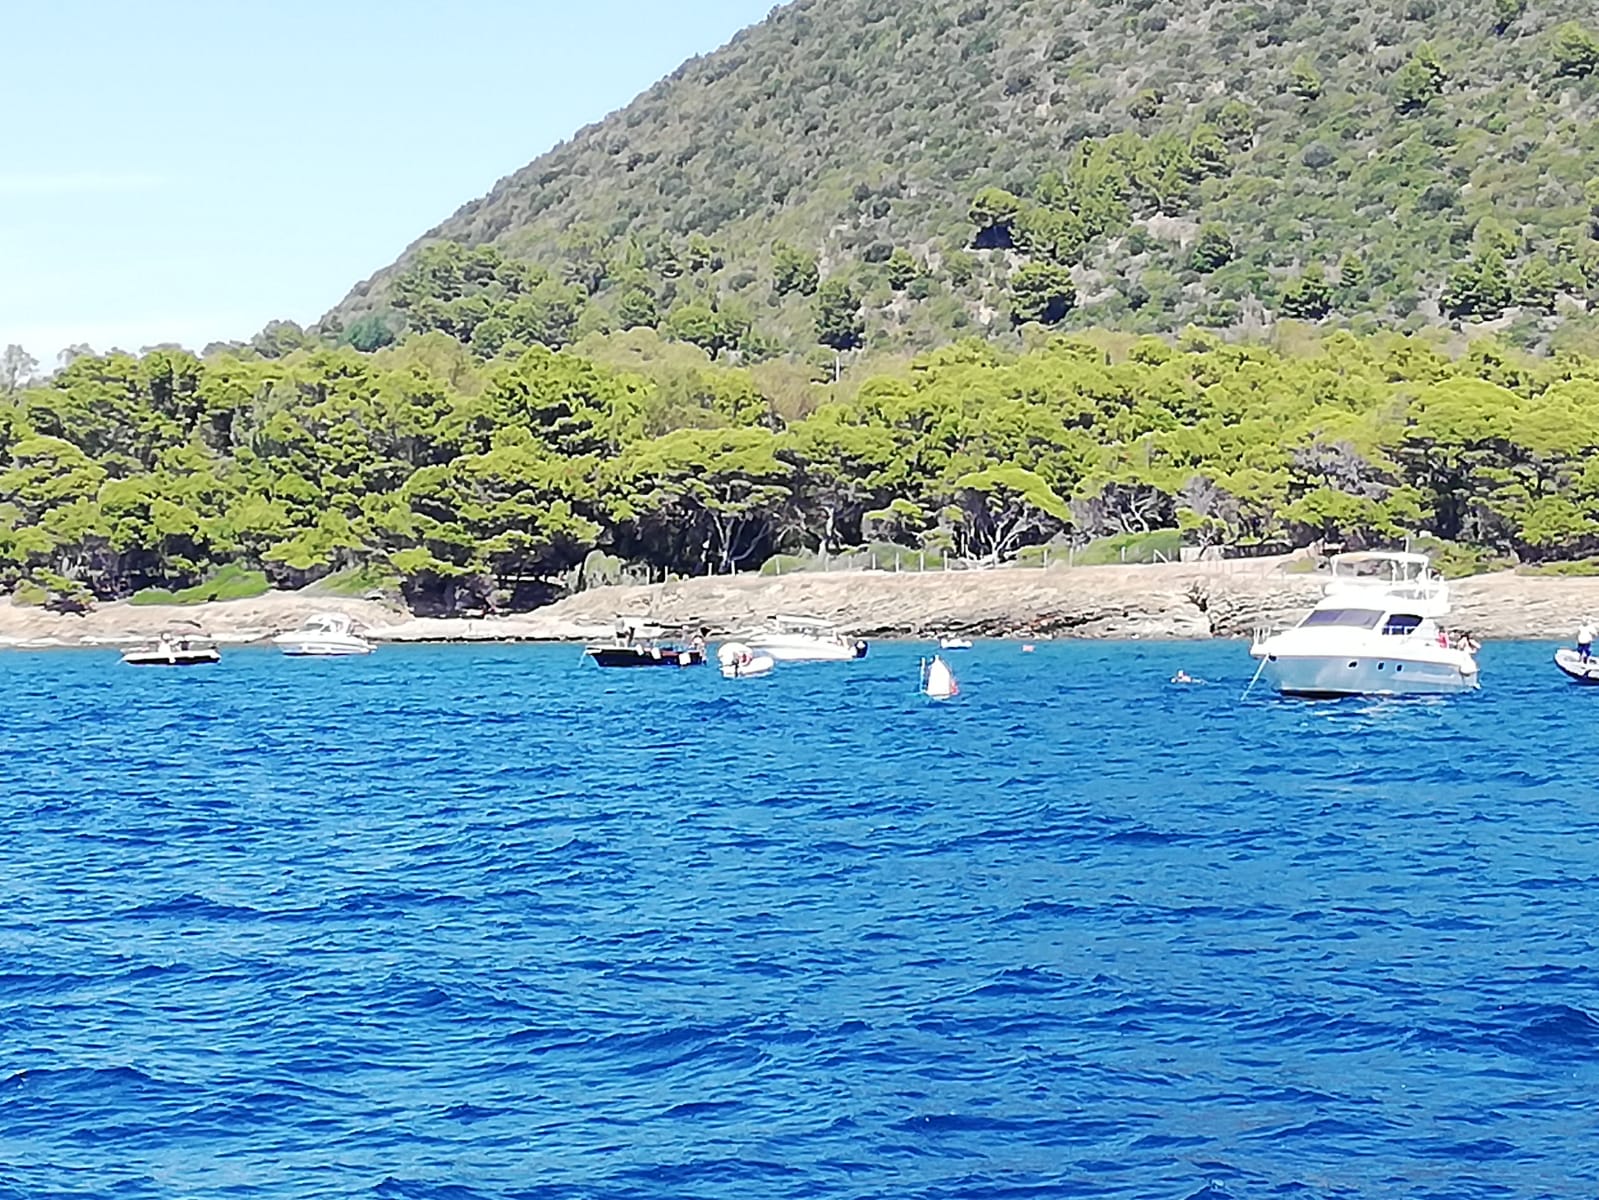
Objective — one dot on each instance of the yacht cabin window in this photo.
(1346, 618)
(1401, 624)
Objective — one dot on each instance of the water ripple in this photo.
(485, 923)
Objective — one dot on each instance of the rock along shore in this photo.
(1231, 598)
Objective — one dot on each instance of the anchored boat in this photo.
(637, 643)
(738, 661)
(1376, 631)
(173, 650)
(323, 635)
(1576, 668)
(804, 639)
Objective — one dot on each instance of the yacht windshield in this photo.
(1349, 618)
(1401, 624)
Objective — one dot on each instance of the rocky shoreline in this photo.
(1226, 599)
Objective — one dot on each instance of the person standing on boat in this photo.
(1585, 641)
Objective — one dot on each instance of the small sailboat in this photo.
(938, 681)
(738, 661)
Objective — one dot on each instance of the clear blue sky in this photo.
(186, 171)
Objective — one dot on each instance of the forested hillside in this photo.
(474, 484)
(895, 174)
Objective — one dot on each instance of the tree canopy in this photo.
(474, 482)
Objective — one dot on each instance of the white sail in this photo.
(940, 683)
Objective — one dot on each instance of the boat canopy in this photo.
(1382, 564)
(329, 622)
(790, 621)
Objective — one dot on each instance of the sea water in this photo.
(491, 922)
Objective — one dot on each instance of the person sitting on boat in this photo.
(1585, 641)
(697, 642)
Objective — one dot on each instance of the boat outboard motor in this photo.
(860, 648)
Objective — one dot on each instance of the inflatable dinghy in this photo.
(1569, 661)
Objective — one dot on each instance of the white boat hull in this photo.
(1369, 674)
(789, 649)
(173, 658)
(295, 648)
(761, 664)
(1572, 663)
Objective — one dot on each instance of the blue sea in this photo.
(490, 922)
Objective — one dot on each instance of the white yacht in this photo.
(323, 635)
(804, 639)
(1375, 631)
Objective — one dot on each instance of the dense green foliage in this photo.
(966, 167)
(477, 482)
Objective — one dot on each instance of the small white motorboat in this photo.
(1577, 668)
(738, 661)
(173, 650)
(938, 681)
(324, 635)
(804, 639)
(954, 643)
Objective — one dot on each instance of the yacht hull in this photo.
(1327, 676)
(786, 649)
(321, 649)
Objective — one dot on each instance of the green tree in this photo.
(793, 271)
(1479, 288)
(839, 322)
(1506, 13)
(1002, 508)
(637, 309)
(1303, 80)
(1308, 296)
(16, 368)
(1575, 51)
(1041, 292)
(902, 269)
(993, 211)
(711, 499)
(1535, 284)
(368, 333)
(1418, 81)
(700, 325)
(1213, 248)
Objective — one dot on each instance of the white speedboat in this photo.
(804, 639)
(738, 661)
(173, 650)
(1375, 631)
(954, 643)
(324, 635)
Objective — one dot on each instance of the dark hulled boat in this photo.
(638, 644)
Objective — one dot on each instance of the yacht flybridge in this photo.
(804, 639)
(1376, 631)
